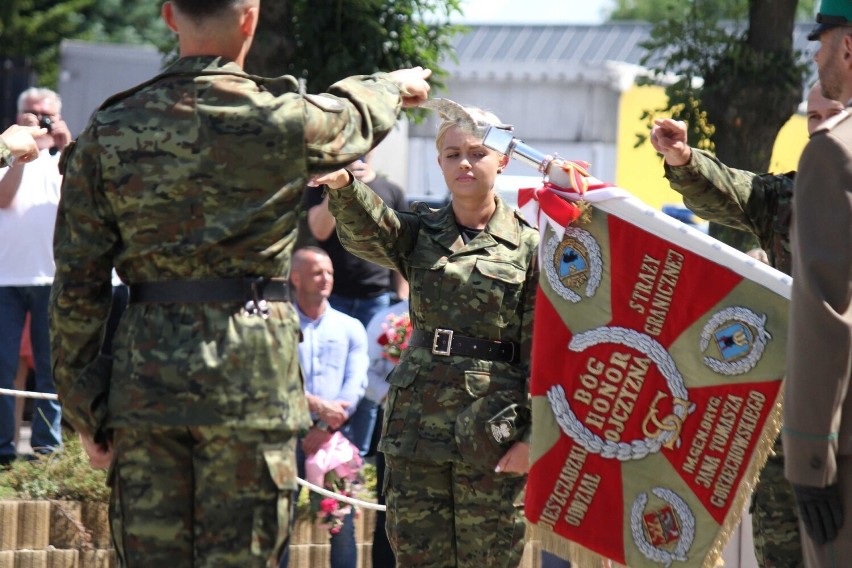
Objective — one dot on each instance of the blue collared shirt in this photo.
(333, 355)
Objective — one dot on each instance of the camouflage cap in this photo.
(832, 14)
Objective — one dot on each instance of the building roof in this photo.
(504, 51)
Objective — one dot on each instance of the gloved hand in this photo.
(821, 511)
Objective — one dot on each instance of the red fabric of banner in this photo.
(657, 293)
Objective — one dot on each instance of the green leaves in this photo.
(34, 29)
(735, 81)
(325, 42)
(321, 42)
(61, 475)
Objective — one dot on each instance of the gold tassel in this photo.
(762, 451)
(580, 556)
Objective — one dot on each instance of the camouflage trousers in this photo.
(451, 515)
(190, 497)
(774, 517)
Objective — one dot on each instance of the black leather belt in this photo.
(445, 342)
(211, 291)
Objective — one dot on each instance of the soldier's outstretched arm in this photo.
(356, 114)
(714, 191)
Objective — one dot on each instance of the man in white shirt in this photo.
(29, 195)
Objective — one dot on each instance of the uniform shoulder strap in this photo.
(277, 85)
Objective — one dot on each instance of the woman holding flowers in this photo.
(457, 421)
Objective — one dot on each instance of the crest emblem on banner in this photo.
(739, 336)
(575, 264)
(666, 533)
(662, 527)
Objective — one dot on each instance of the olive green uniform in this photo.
(818, 398)
(196, 175)
(762, 204)
(446, 505)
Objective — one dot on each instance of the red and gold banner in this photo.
(656, 374)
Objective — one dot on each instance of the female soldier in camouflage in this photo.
(457, 424)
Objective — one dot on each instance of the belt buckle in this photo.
(514, 352)
(439, 333)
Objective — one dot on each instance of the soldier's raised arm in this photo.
(356, 114)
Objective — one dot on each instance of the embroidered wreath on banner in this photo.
(687, 534)
(595, 261)
(622, 451)
(742, 315)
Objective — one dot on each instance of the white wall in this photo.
(574, 116)
(90, 73)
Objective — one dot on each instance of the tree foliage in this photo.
(658, 10)
(325, 42)
(31, 30)
(735, 82)
(128, 21)
(320, 42)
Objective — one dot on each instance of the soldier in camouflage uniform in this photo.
(190, 186)
(18, 143)
(456, 428)
(760, 203)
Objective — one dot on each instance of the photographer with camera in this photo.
(29, 196)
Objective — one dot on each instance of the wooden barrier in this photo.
(70, 534)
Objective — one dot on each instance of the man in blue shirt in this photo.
(333, 356)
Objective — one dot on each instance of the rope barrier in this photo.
(29, 394)
(300, 481)
(339, 497)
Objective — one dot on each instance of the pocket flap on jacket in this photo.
(404, 374)
(498, 270)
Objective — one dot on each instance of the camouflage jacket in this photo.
(5, 154)
(760, 203)
(196, 174)
(439, 406)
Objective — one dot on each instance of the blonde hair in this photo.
(482, 118)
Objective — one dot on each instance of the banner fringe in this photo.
(580, 556)
(762, 450)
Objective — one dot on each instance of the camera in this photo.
(46, 123)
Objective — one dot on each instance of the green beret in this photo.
(832, 13)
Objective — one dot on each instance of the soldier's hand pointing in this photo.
(668, 137)
(412, 85)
